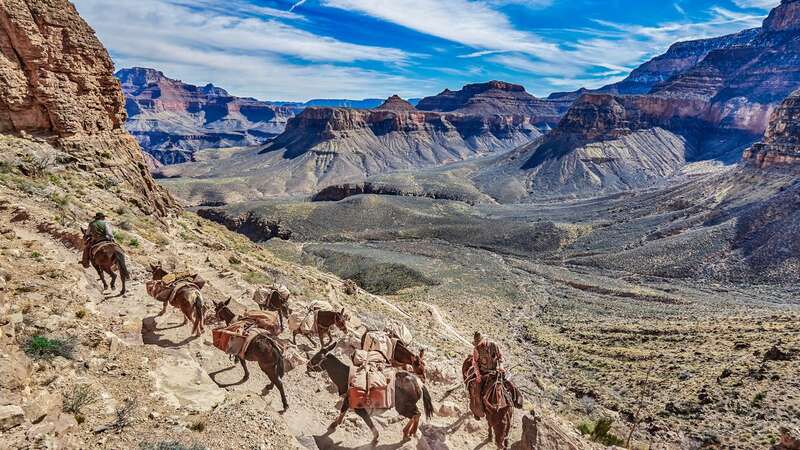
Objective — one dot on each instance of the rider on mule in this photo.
(487, 360)
(98, 231)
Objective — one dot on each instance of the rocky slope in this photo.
(172, 119)
(59, 88)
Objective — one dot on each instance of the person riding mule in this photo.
(97, 231)
(101, 252)
(491, 393)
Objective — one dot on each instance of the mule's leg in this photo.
(342, 411)
(244, 366)
(124, 288)
(163, 309)
(365, 415)
(294, 337)
(113, 278)
(102, 277)
(276, 381)
(415, 427)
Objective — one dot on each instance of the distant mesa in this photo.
(395, 103)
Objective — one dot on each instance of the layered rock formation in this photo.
(172, 119)
(781, 144)
(58, 85)
(497, 97)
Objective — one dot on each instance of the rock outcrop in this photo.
(497, 97)
(172, 119)
(781, 144)
(58, 85)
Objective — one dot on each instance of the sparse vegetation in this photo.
(81, 313)
(198, 426)
(170, 445)
(80, 396)
(600, 432)
(134, 243)
(40, 347)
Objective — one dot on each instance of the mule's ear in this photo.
(152, 267)
(342, 311)
(228, 301)
(421, 353)
(330, 348)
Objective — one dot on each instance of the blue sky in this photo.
(302, 49)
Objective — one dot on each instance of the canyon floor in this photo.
(641, 307)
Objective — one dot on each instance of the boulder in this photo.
(433, 438)
(38, 407)
(55, 424)
(448, 409)
(544, 433)
(182, 383)
(11, 416)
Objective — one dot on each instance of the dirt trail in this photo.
(312, 405)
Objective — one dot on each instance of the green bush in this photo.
(40, 347)
(600, 432)
(134, 243)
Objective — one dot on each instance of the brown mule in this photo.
(277, 303)
(402, 357)
(325, 320)
(262, 349)
(408, 392)
(499, 419)
(108, 258)
(187, 298)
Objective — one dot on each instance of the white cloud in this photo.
(472, 23)
(758, 4)
(236, 47)
(297, 5)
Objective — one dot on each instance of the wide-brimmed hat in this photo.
(100, 216)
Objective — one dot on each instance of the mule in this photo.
(402, 357)
(324, 321)
(408, 391)
(499, 420)
(262, 349)
(277, 303)
(108, 259)
(187, 298)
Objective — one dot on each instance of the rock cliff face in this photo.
(497, 97)
(781, 144)
(58, 85)
(172, 119)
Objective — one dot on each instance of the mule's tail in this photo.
(427, 402)
(198, 311)
(123, 268)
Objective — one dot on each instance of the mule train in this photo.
(383, 373)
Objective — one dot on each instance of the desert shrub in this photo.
(81, 313)
(60, 200)
(253, 277)
(79, 396)
(35, 255)
(600, 432)
(36, 166)
(234, 260)
(198, 426)
(40, 347)
(134, 243)
(169, 445)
